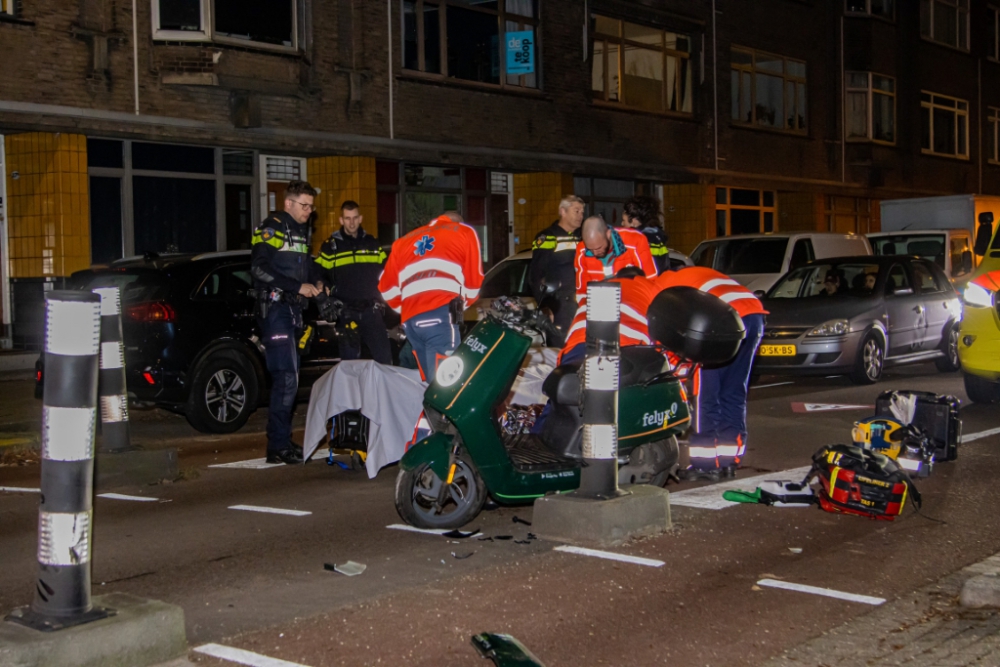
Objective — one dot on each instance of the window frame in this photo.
(870, 92)
(208, 33)
(930, 106)
(956, 6)
(728, 207)
(503, 17)
(993, 123)
(786, 79)
(868, 11)
(9, 8)
(621, 42)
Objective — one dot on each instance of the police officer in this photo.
(552, 264)
(351, 261)
(643, 213)
(285, 278)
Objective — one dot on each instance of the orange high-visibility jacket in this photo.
(716, 284)
(636, 253)
(431, 266)
(637, 294)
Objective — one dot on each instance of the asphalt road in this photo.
(256, 581)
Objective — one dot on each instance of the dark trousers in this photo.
(281, 350)
(431, 335)
(721, 436)
(564, 307)
(371, 330)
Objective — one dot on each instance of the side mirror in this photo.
(759, 293)
(966, 261)
(984, 233)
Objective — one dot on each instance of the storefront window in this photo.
(744, 211)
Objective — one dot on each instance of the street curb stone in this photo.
(981, 591)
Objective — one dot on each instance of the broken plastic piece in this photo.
(459, 534)
(522, 541)
(504, 650)
(518, 519)
(485, 539)
(350, 568)
(503, 537)
(461, 556)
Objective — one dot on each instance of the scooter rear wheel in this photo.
(418, 490)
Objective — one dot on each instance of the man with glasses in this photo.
(285, 278)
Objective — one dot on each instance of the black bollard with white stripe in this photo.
(113, 393)
(69, 414)
(599, 476)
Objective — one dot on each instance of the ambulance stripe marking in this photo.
(827, 592)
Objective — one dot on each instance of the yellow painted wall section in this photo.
(339, 179)
(688, 214)
(48, 204)
(801, 212)
(541, 193)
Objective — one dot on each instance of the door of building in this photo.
(239, 225)
(499, 228)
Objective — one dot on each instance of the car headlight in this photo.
(449, 371)
(978, 296)
(831, 328)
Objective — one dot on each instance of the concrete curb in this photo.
(643, 512)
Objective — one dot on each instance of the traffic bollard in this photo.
(69, 414)
(113, 392)
(599, 476)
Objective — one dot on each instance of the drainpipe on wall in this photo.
(392, 125)
(843, 110)
(6, 341)
(979, 116)
(135, 56)
(715, 88)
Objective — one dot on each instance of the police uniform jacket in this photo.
(552, 256)
(279, 255)
(657, 239)
(351, 265)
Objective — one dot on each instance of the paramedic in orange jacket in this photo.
(604, 251)
(432, 275)
(720, 437)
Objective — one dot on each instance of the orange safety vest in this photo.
(431, 266)
(717, 284)
(591, 268)
(637, 294)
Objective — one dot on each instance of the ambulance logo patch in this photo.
(424, 245)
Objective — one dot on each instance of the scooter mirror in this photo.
(695, 325)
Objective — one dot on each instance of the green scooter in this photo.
(444, 479)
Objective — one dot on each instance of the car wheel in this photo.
(950, 361)
(223, 393)
(870, 362)
(981, 390)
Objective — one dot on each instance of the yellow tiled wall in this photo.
(339, 179)
(688, 214)
(541, 194)
(801, 212)
(48, 204)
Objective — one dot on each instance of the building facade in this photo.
(173, 125)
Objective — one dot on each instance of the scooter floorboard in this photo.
(529, 454)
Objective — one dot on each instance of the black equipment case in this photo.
(936, 414)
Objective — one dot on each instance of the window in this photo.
(871, 107)
(898, 280)
(881, 8)
(641, 67)
(802, 254)
(271, 23)
(462, 39)
(946, 22)
(229, 283)
(993, 134)
(739, 211)
(849, 215)
(959, 246)
(944, 125)
(993, 27)
(7, 7)
(768, 90)
(924, 278)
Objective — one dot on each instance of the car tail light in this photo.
(38, 376)
(151, 311)
(148, 377)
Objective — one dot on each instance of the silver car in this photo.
(856, 315)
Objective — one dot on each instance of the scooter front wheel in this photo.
(422, 502)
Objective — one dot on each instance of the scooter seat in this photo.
(640, 363)
(563, 385)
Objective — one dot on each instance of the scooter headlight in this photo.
(449, 371)
(978, 296)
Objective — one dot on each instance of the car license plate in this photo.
(777, 350)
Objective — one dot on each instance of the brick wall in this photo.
(340, 179)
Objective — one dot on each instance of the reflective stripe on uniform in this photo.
(735, 296)
(428, 285)
(698, 452)
(718, 282)
(432, 264)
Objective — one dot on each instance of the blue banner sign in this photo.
(521, 52)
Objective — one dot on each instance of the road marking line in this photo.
(121, 496)
(252, 464)
(243, 657)
(610, 555)
(827, 407)
(969, 437)
(19, 489)
(815, 590)
(710, 497)
(428, 531)
(269, 510)
(765, 386)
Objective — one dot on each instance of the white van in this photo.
(758, 260)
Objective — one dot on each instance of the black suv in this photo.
(192, 344)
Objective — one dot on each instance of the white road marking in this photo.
(120, 496)
(826, 407)
(252, 464)
(243, 657)
(19, 489)
(765, 386)
(969, 437)
(710, 497)
(815, 590)
(269, 510)
(610, 555)
(428, 531)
